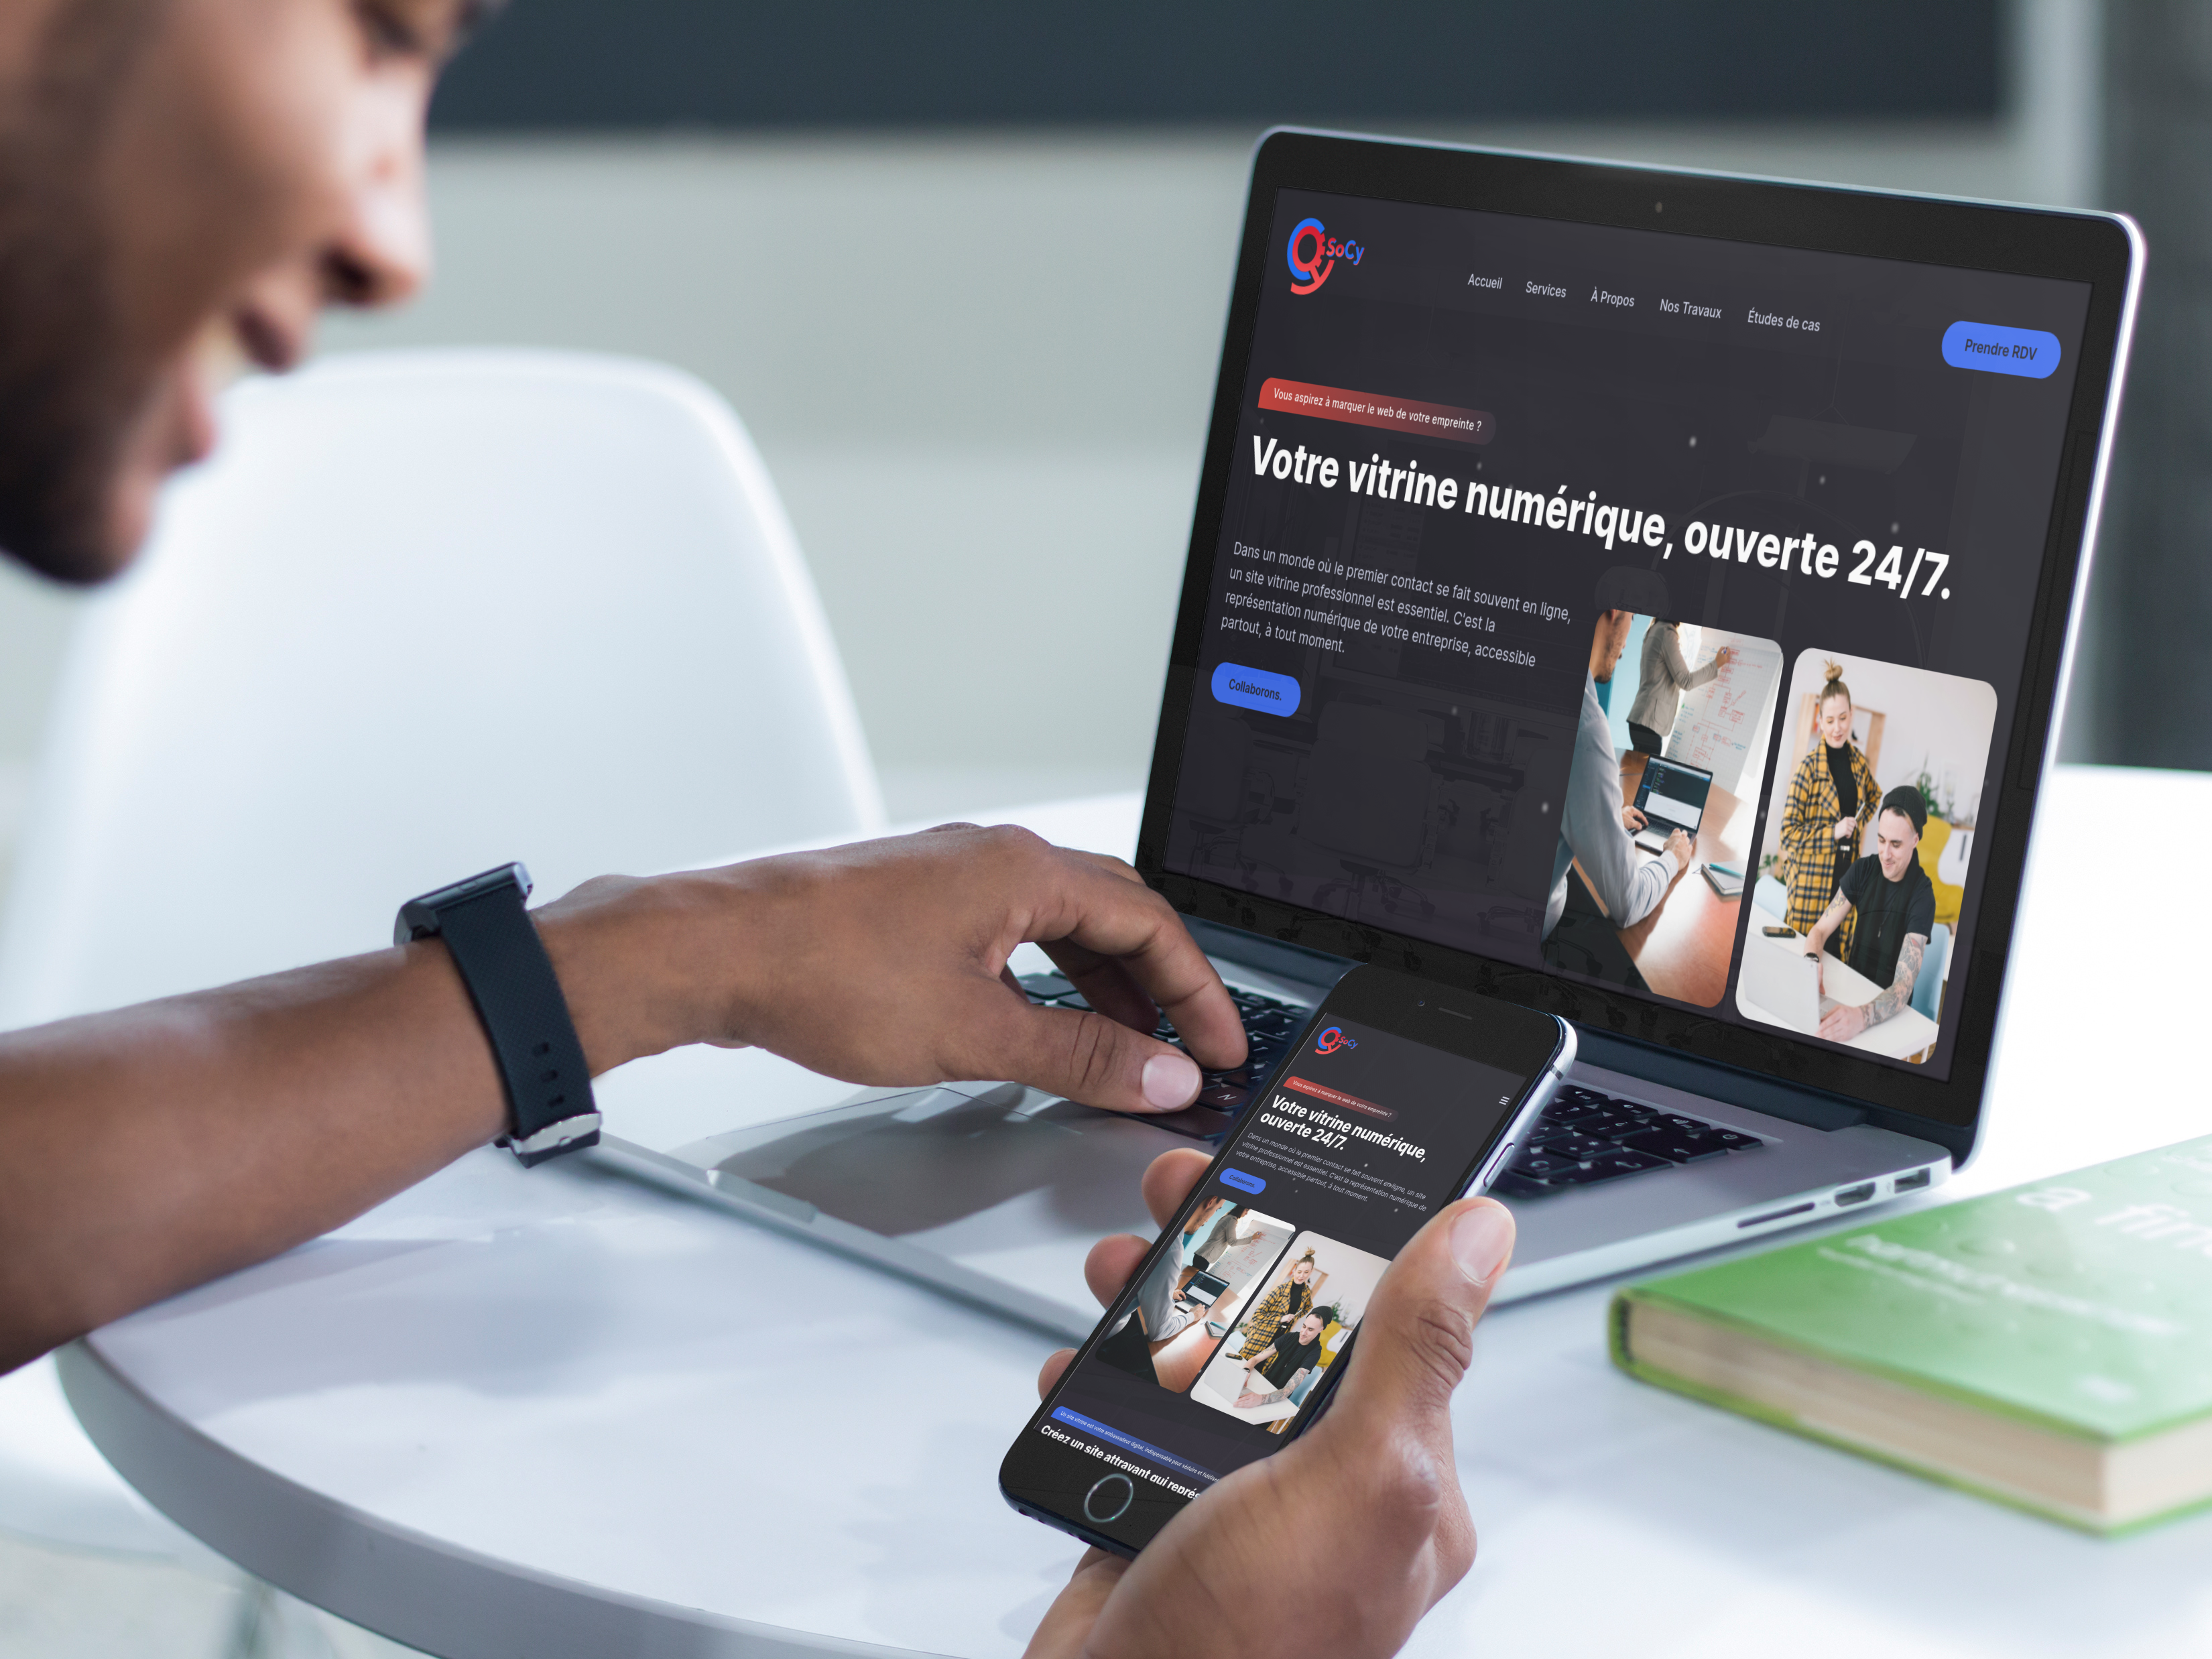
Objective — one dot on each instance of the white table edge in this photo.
(393, 1580)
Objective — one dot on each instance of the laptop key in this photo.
(1573, 1145)
(1567, 1111)
(1543, 1166)
(1044, 988)
(1199, 1122)
(1225, 1098)
(1512, 1185)
(1607, 1166)
(1675, 1145)
(1735, 1140)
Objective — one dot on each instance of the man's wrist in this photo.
(646, 964)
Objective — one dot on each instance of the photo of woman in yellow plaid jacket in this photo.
(1819, 837)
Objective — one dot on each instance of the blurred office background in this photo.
(961, 269)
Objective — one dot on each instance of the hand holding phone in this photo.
(1399, 1099)
(1351, 1512)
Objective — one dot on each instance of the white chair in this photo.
(424, 613)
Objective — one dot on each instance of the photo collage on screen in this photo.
(1538, 544)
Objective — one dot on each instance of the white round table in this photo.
(554, 1414)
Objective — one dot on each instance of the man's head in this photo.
(1609, 641)
(1311, 1326)
(184, 184)
(1897, 829)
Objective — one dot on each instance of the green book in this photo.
(2049, 1346)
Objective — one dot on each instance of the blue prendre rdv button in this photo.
(1995, 350)
(1255, 688)
(1242, 1182)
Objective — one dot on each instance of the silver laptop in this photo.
(1469, 402)
(1671, 796)
(1783, 983)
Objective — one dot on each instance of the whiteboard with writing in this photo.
(1717, 722)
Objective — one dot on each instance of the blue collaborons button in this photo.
(1255, 688)
(1243, 1182)
(1996, 350)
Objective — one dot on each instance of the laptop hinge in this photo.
(1725, 1083)
(1269, 955)
(1718, 1081)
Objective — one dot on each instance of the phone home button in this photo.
(1109, 1499)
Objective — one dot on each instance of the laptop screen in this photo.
(1672, 794)
(1515, 506)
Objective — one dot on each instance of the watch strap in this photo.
(511, 982)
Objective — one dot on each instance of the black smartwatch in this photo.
(510, 979)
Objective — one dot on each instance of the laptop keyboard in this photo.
(1584, 1135)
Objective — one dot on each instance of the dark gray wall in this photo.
(631, 64)
(2149, 695)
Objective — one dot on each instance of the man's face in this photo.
(1612, 640)
(1895, 840)
(184, 184)
(1309, 1328)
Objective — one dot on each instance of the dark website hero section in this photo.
(1500, 533)
(1219, 1345)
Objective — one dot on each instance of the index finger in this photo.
(1106, 915)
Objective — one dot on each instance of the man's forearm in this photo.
(150, 1149)
(1899, 997)
(153, 1148)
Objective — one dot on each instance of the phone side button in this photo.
(1108, 1499)
(1490, 1172)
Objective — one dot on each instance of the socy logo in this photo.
(1311, 269)
(1333, 1039)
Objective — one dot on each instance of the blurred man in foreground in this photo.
(184, 186)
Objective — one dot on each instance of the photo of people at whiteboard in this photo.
(1669, 762)
(1869, 835)
(1195, 1292)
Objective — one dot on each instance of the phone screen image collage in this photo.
(1224, 1344)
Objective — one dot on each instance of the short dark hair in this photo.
(1908, 802)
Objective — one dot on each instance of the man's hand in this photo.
(1842, 1023)
(164, 1144)
(885, 963)
(1632, 820)
(1337, 1544)
(1683, 848)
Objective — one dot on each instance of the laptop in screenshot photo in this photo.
(1488, 429)
(1671, 796)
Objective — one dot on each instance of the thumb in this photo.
(1417, 1337)
(1083, 1055)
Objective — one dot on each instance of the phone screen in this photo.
(1230, 1336)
